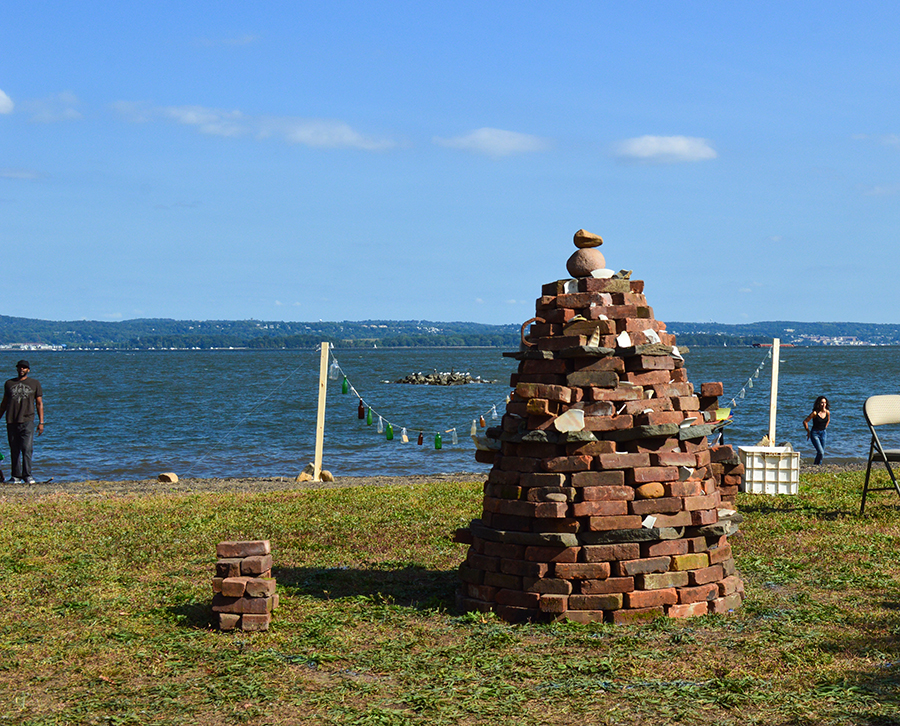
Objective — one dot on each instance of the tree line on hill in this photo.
(270, 335)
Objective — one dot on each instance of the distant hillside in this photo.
(164, 333)
(700, 334)
(204, 334)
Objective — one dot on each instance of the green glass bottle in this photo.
(389, 432)
(345, 385)
(438, 441)
(368, 417)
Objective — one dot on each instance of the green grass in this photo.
(104, 619)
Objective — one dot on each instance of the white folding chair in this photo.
(880, 411)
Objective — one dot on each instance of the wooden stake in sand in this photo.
(320, 416)
(773, 398)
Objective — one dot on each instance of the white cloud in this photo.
(321, 133)
(6, 103)
(885, 139)
(58, 107)
(21, 174)
(316, 133)
(495, 142)
(882, 191)
(665, 149)
(209, 120)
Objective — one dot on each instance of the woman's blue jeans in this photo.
(818, 441)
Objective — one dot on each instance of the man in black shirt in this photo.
(22, 396)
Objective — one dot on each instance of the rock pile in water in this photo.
(441, 379)
(602, 503)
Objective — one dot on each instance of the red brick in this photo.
(243, 548)
(600, 364)
(547, 586)
(628, 568)
(690, 610)
(229, 621)
(649, 363)
(504, 549)
(591, 448)
(644, 474)
(664, 547)
(673, 458)
(649, 378)
(650, 598)
(598, 478)
(256, 564)
(610, 601)
(260, 587)
(542, 479)
(607, 586)
(567, 463)
(607, 423)
(641, 615)
(562, 394)
(624, 461)
(517, 598)
(481, 592)
(605, 524)
(657, 418)
(553, 603)
(720, 554)
(724, 605)
(678, 519)
(255, 622)
(583, 570)
(660, 505)
(615, 394)
(687, 488)
(596, 508)
(611, 552)
(521, 568)
(607, 493)
(730, 585)
(712, 389)
(710, 501)
(585, 616)
(713, 573)
(700, 593)
(552, 554)
(698, 519)
(513, 614)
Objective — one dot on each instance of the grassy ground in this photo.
(104, 619)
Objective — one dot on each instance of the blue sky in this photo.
(388, 160)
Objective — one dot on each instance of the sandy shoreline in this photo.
(273, 484)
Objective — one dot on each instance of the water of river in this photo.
(130, 415)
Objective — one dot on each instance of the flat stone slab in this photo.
(645, 534)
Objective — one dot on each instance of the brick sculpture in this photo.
(602, 503)
(244, 589)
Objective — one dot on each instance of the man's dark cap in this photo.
(23, 364)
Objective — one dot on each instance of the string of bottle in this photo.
(388, 427)
(749, 383)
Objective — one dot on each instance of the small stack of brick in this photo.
(244, 589)
(601, 504)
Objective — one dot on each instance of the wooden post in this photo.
(320, 416)
(773, 398)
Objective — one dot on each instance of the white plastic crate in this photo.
(770, 469)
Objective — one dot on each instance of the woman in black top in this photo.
(820, 418)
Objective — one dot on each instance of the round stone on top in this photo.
(585, 240)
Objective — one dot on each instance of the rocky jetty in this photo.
(441, 379)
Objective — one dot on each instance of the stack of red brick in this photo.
(725, 466)
(244, 589)
(602, 502)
